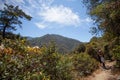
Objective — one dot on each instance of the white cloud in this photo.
(88, 19)
(40, 25)
(61, 15)
(47, 14)
(31, 7)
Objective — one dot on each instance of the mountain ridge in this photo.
(63, 44)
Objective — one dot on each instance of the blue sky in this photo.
(64, 17)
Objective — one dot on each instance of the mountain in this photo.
(63, 44)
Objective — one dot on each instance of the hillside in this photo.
(63, 44)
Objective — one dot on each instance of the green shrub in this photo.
(84, 64)
(116, 55)
(39, 76)
(92, 52)
(65, 67)
(18, 45)
(55, 65)
(80, 48)
(21, 64)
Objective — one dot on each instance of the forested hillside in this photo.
(63, 44)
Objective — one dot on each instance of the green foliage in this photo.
(105, 13)
(55, 65)
(18, 45)
(10, 17)
(92, 51)
(80, 48)
(84, 64)
(97, 43)
(20, 67)
(19, 63)
(92, 47)
(65, 67)
(12, 36)
(39, 76)
(107, 52)
(116, 54)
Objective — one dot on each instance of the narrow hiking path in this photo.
(103, 74)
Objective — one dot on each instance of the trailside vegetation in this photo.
(106, 15)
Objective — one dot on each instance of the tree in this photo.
(10, 17)
(106, 14)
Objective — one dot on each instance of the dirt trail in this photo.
(103, 74)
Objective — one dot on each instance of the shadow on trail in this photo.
(103, 73)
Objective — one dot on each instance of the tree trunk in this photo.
(3, 34)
